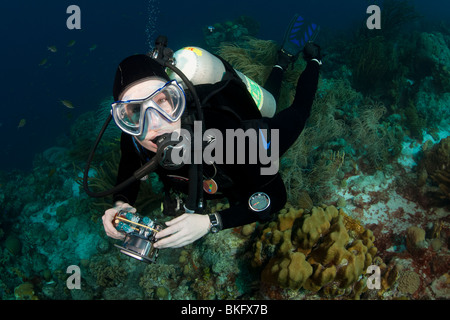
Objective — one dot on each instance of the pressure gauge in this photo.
(259, 201)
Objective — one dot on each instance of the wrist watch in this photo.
(215, 223)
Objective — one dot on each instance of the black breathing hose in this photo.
(138, 174)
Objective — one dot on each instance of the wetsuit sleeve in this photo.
(129, 163)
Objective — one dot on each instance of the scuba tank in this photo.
(202, 67)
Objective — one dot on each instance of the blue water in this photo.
(112, 30)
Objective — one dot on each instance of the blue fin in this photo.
(298, 34)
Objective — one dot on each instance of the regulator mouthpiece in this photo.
(171, 150)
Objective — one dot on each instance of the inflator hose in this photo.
(195, 197)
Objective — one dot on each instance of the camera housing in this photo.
(139, 236)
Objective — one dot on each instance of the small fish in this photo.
(71, 43)
(211, 28)
(93, 47)
(43, 61)
(52, 49)
(67, 104)
(22, 123)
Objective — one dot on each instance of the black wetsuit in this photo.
(236, 182)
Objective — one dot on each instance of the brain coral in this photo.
(409, 282)
(321, 249)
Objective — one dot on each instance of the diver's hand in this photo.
(108, 218)
(182, 231)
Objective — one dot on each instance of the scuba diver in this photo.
(150, 107)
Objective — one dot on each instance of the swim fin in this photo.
(299, 32)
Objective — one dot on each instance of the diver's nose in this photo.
(154, 120)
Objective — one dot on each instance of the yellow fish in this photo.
(67, 103)
(43, 61)
(21, 123)
(52, 49)
(71, 43)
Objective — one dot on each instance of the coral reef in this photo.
(104, 178)
(313, 162)
(25, 291)
(13, 245)
(380, 60)
(397, 14)
(375, 152)
(107, 275)
(434, 168)
(230, 31)
(409, 282)
(344, 131)
(255, 58)
(158, 280)
(415, 237)
(373, 63)
(338, 124)
(290, 271)
(322, 251)
(85, 130)
(380, 141)
(434, 59)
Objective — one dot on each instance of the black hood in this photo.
(135, 68)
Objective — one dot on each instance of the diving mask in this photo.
(165, 104)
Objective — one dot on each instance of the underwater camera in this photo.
(139, 235)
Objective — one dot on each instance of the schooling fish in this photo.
(67, 104)
(52, 49)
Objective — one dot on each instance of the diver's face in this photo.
(156, 125)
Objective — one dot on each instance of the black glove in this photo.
(312, 51)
